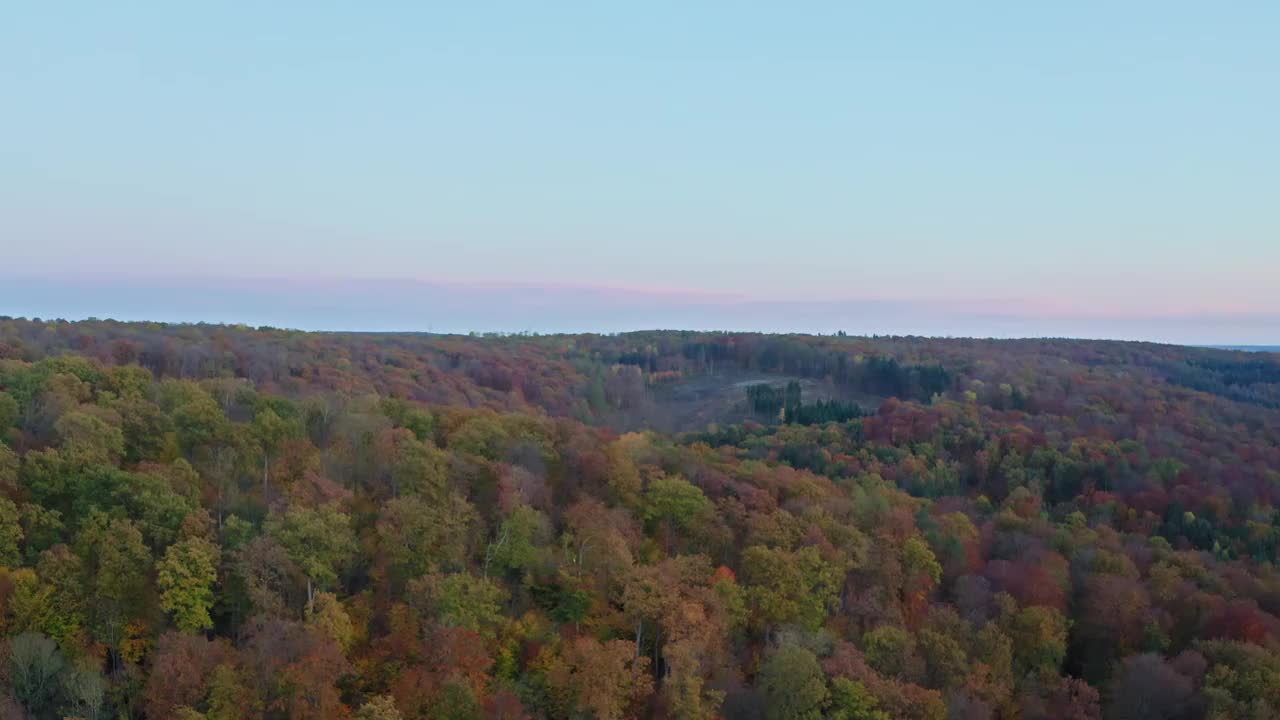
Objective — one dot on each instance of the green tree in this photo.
(419, 536)
(60, 483)
(11, 533)
(1039, 636)
(1243, 680)
(88, 439)
(482, 434)
(41, 528)
(199, 422)
(791, 402)
(522, 541)
(326, 615)
(413, 418)
(152, 502)
(319, 540)
(129, 381)
(186, 575)
(30, 605)
(794, 685)
(51, 599)
(420, 468)
(117, 562)
(785, 587)
(271, 431)
(8, 469)
(456, 701)
(944, 658)
(918, 558)
(148, 431)
(8, 413)
(889, 650)
(850, 700)
(463, 600)
(675, 500)
(228, 697)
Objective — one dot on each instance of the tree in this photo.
(266, 579)
(379, 707)
(228, 698)
(199, 422)
(271, 431)
(151, 501)
(8, 470)
(420, 469)
(8, 413)
(784, 587)
(600, 540)
(463, 600)
(11, 534)
(186, 575)
(791, 401)
(446, 655)
(456, 701)
(89, 439)
(504, 705)
(793, 684)
(890, 650)
(34, 667)
(419, 536)
(1145, 687)
(1060, 698)
(1113, 616)
(601, 680)
(1039, 636)
(482, 435)
(674, 500)
(921, 572)
(1243, 680)
(850, 700)
(319, 540)
(148, 431)
(624, 479)
(118, 563)
(521, 542)
(125, 380)
(184, 667)
(945, 658)
(325, 615)
(52, 599)
(85, 691)
(294, 669)
(685, 686)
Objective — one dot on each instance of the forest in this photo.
(208, 522)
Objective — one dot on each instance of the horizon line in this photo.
(1263, 347)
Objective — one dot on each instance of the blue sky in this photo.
(1098, 169)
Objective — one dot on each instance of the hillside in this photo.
(205, 521)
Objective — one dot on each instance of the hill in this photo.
(206, 521)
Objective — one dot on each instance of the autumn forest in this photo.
(216, 522)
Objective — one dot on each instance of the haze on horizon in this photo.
(1092, 170)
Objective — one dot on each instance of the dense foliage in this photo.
(219, 522)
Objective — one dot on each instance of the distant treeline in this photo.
(1252, 381)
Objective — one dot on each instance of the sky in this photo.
(1093, 169)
